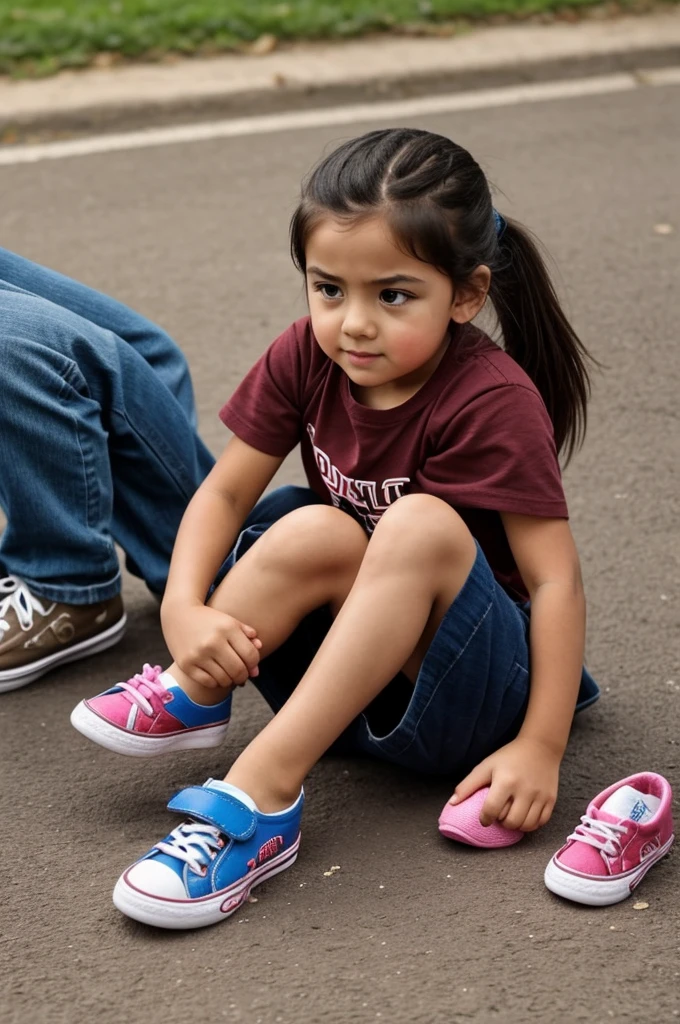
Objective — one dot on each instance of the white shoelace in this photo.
(603, 835)
(15, 594)
(195, 844)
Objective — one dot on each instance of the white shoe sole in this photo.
(596, 892)
(199, 913)
(14, 678)
(123, 741)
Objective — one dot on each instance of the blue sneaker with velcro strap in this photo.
(204, 870)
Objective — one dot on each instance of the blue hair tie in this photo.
(500, 224)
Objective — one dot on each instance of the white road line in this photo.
(401, 110)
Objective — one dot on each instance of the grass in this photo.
(43, 36)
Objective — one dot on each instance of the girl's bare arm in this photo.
(209, 647)
(547, 559)
(524, 774)
(213, 519)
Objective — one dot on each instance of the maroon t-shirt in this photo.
(476, 434)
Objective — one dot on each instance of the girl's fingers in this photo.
(234, 667)
(247, 653)
(216, 671)
(546, 814)
(533, 816)
(518, 812)
(495, 804)
(239, 659)
(504, 813)
(200, 676)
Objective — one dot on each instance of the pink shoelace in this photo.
(145, 685)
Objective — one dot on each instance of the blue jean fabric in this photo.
(98, 439)
(472, 690)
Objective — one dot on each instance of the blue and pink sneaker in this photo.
(624, 832)
(205, 869)
(150, 714)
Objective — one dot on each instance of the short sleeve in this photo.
(498, 452)
(265, 411)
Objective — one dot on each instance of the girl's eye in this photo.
(393, 298)
(329, 291)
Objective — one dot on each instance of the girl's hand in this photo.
(212, 648)
(523, 778)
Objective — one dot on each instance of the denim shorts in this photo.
(472, 689)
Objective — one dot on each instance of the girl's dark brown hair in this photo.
(437, 203)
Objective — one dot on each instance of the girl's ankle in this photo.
(268, 798)
(203, 695)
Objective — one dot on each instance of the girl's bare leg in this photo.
(307, 559)
(415, 564)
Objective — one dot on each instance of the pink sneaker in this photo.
(150, 714)
(626, 829)
(461, 822)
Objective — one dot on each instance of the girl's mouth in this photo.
(361, 358)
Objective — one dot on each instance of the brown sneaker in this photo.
(36, 635)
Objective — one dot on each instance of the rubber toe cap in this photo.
(156, 879)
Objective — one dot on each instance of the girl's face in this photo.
(381, 315)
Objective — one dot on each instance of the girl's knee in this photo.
(312, 537)
(422, 526)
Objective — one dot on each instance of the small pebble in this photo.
(640, 906)
(663, 229)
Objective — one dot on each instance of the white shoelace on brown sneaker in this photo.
(15, 595)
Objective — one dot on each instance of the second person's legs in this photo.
(96, 448)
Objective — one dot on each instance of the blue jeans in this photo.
(98, 439)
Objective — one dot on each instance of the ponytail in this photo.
(539, 337)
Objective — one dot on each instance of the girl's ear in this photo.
(469, 297)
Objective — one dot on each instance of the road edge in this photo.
(148, 96)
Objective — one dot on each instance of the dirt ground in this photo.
(411, 928)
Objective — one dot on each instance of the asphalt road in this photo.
(411, 928)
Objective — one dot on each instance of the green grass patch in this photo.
(42, 36)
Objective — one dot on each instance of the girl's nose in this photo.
(358, 323)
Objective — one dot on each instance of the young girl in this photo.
(387, 607)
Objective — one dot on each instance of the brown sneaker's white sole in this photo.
(13, 678)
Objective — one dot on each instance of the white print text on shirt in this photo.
(367, 499)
